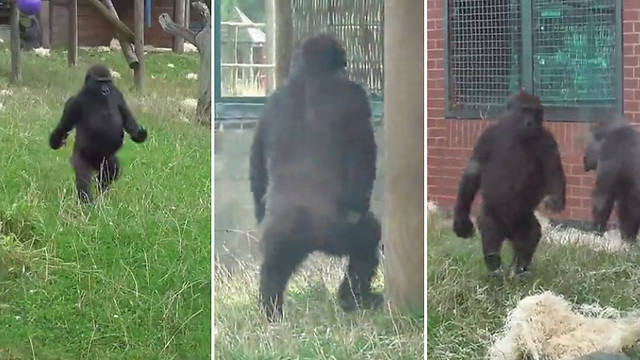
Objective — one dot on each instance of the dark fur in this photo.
(100, 116)
(515, 163)
(313, 164)
(30, 36)
(614, 153)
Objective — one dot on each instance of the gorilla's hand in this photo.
(140, 135)
(554, 204)
(463, 227)
(260, 210)
(56, 141)
(355, 206)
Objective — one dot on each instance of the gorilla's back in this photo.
(305, 151)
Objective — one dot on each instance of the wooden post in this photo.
(284, 39)
(138, 32)
(179, 13)
(45, 23)
(187, 13)
(16, 70)
(403, 234)
(270, 45)
(72, 51)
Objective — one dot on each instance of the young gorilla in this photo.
(614, 153)
(312, 168)
(100, 115)
(516, 163)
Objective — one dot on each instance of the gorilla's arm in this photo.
(470, 182)
(553, 172)
(361, 152)
(70, 116)
(258, 177)
(138, 133)
(603, 194)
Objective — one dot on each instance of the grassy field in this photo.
(130, 277)
(464, 308)
(314, 327)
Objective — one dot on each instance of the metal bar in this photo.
(619, 60)
(527, 44)
(217, 48)
(447, 58)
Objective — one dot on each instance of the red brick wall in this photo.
(95, 30)
(449, 141)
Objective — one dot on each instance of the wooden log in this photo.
(45, 23)
(138, 24)
(16, 69)
(119, 25)
(403, 237)
(72, 50)
(187, 13)
(127, 47)
(284, 39)
(179, 14)
(202, 41)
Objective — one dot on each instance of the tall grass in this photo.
(465, 308)
(126, 278)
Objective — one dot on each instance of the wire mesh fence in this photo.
(574, 51)
(485, 46)
(564, 51)
(359, 26)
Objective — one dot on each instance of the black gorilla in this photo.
(614, 153)
(101, 116)
(31, 34)
(516, 163)
(312, 168)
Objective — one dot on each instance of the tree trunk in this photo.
(404, 133)
(202, 41)
(127, 48)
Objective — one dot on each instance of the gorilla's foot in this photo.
(350, 302)
(500, 272)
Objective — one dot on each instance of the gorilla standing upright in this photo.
(313, 164)
(100, 116)
(614, 153)
(516, 163)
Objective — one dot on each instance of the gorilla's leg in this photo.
(493, 235)
(282, 254)
(363, 249)
(84, 172)
(629, 222)
(525, 242)
(109, 172)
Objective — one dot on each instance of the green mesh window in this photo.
(567, 52)
(485, 45)
(574, 50)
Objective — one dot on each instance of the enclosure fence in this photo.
(566, 52)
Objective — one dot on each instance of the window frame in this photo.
(553, 113)
(244, 111)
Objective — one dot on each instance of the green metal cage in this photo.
(567, 52)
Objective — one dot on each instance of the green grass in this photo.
(314, 327)
(127, 278)
(464, 307)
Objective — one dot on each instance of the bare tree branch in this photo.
(170, 27)
(202, 41)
